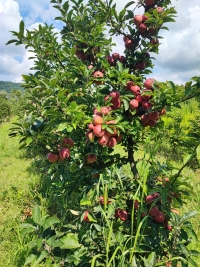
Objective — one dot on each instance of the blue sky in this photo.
(178, 60)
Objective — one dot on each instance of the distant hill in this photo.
(9, 86)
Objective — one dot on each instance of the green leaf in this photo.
(129, 4)
(50, 222)
(21, 29)
(42, 256)
(192, 263)
(126, 104)
(70, 241)
(198, 152)
(152, 259)
(36, 214)
(30, 259)
(85, 202)
(188, 216)
(11, 41)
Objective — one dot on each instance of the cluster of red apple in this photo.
(63, 152)
(112, 59)
(154, 211)
(142, 100)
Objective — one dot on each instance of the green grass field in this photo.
(16, 195)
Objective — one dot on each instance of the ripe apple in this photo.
(91, 158)
(123, 215)
(144, 118)
(159, 9)
(146, 105)
(111, 142)
(118, 138)
(160, 218)
(141, 65)
(85, 217)
(90, 126)
(68, 142)
(137, 20)
(149, 2)
(95, 175)
(152, 197)
(139, 98)
(133, 104)
(152, 123)
(129, 44)
(98, 131)
(151, 30)
(82, 56)
(115, 56)
(103, 140)
(115, 95)
(116, 104)
(142, 28)
(97, 120)
(125, 38)
(162, 112)
(135, 89)
(129, 84)
(122, 59)
(111, 122)
(108, 133)
(154, 211)
(104, 110)
(110, 60)
(154, 42)
(52, 157)
(64, 153)
(148, 83)
(144, 18)
(98, 74)
(154, 115)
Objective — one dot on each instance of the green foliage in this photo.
(109, 218)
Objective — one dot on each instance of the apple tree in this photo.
(91, 120)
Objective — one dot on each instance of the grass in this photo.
(16, 196)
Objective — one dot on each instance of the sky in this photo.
(179, 53)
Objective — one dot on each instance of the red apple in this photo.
(103, 140)
(133, 104)
(149, 2)
(142, 28)
(154, 211)
(115, 56)
(91, 126)
(144, 119)
(98, 131)
(152, 123)
(135, 89)
(154, 115)
(148, 83)
(136, 204)
(82, 56)
(139, 98)
(111, 142)
(52, 157)
(146, 105)
(141, 65)
(129, 84)
(129, 44)
(68, 142)
(160, 218)
(97, 120)
(64, 153)
(122, 59)
(98, 74)
(115, 95)
(104, 110)
(144, 18)
(162, 112)
(137, 20)
(85, 217)
(116, 104)
(154, 42)
(159, 9)
(123, 215)
(152, 197)
(118, 138)
(110, 60)
(91, 158)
